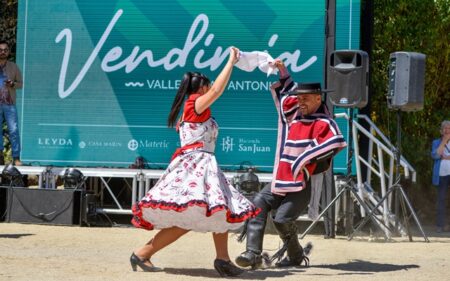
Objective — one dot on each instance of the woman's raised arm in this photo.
(215, 91)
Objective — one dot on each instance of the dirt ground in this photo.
(49, 252)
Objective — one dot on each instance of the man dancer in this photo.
(307, 140)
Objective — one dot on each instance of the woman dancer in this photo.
(193, 193)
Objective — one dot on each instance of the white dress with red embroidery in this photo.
(193, 192)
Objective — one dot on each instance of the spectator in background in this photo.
(440, 152)
(10, 80)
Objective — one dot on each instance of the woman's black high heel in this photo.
(227, 268)
(135, 261)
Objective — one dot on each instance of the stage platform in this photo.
(136, 182)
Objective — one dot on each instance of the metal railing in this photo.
(380, 162)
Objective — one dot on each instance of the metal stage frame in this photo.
(141, 181)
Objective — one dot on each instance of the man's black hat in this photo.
(308, 88)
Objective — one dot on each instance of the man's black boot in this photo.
(255, 234)
(296, 260)
(296, 255)
(249, 259)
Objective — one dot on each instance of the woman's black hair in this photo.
(191, 83)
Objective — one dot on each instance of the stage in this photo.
(117, 189)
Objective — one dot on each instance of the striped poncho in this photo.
(303, 142)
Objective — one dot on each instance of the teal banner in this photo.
(347, 38)
(100, 76)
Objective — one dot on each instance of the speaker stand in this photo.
(400, 195)
(348, 187)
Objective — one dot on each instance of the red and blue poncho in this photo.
(302, 140)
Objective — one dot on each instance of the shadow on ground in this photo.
(350, 268)
(15, 236)
(250, 274)
(360, 266)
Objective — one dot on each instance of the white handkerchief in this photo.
(248, 61)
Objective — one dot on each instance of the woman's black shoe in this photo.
(135, 261)
(227, 268)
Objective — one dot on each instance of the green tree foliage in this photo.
(414, 26)
(8, 23)
(8, 28)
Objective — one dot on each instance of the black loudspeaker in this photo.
(3, 203)
(44, 206)
(406, 81)
(89, 209)
(348, 76)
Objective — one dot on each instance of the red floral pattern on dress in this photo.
(193, 193)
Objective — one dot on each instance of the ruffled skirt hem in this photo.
(194, 215)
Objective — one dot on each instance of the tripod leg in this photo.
(402, 192)
(322, 213)
(370, 212)
(369, 215)
(349, 210)
(405, 217)
(327, 195)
